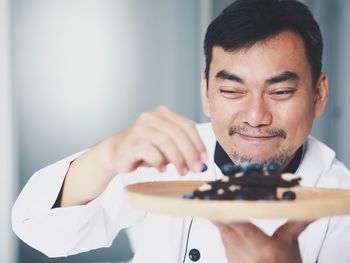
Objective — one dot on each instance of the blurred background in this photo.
(73, 72)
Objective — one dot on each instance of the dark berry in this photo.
(204, 167)
(273, 167)
(247, 167)
(244, 167)
(188, 196)
(256, 166)
(206, 197)
(229, 169)
(288, 195)
(269, 196)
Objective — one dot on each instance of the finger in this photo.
(233, 253)
(232, 242)
(241, 241)
(250, 237)
(291, 230)
(188, 126)
(153, 158)
(168, 148)
(244, 235)
(143, 130)
(242, 230)
(183, 142)
(227, 230)
(167, 130)
(249, 230)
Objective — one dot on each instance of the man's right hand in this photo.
(156, 139)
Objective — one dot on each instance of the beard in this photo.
(280, 158)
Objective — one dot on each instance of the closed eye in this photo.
(228, 91)
(282, 93)
(231, 94)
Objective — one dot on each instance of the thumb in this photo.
(291, 230)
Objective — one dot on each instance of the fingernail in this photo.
(204, 157)
(198, 167)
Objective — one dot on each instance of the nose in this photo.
(257, 113)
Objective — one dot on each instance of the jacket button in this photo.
(194, 254)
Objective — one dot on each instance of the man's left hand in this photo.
(245, 242)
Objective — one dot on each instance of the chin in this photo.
(279, 157)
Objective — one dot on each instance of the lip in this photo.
(255, 139)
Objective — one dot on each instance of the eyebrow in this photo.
(284, 76)
(225, 75)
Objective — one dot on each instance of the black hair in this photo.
(245, 22)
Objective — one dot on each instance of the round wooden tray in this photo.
(166, 197)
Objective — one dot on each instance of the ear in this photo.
(204, 96)
(321, 95)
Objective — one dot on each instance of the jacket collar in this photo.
(316, 162)
(221, 157)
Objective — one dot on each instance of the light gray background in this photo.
(84, 69)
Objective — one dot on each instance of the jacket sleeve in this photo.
(69, 230)
(336, 244)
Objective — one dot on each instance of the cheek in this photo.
(223, 116)
(222, 112)
(218, 118)
(296, 120)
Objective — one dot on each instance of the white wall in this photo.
(84, 69)
(333, 127)
(8, 176)
(343, 57)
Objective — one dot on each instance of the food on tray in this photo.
(251, 181)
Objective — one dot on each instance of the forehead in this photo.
(284, 51)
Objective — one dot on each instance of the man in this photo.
(262, 88)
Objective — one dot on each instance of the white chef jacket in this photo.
(163, 238)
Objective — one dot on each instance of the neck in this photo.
(221, 157)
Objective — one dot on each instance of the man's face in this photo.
(261, 100)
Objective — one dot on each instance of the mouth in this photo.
(256, 138)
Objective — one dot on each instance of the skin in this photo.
(252, 96)
(259, 104)
(261, 112)
(156, 139)
(246, 243)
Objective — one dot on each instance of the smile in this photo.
(255, 138)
